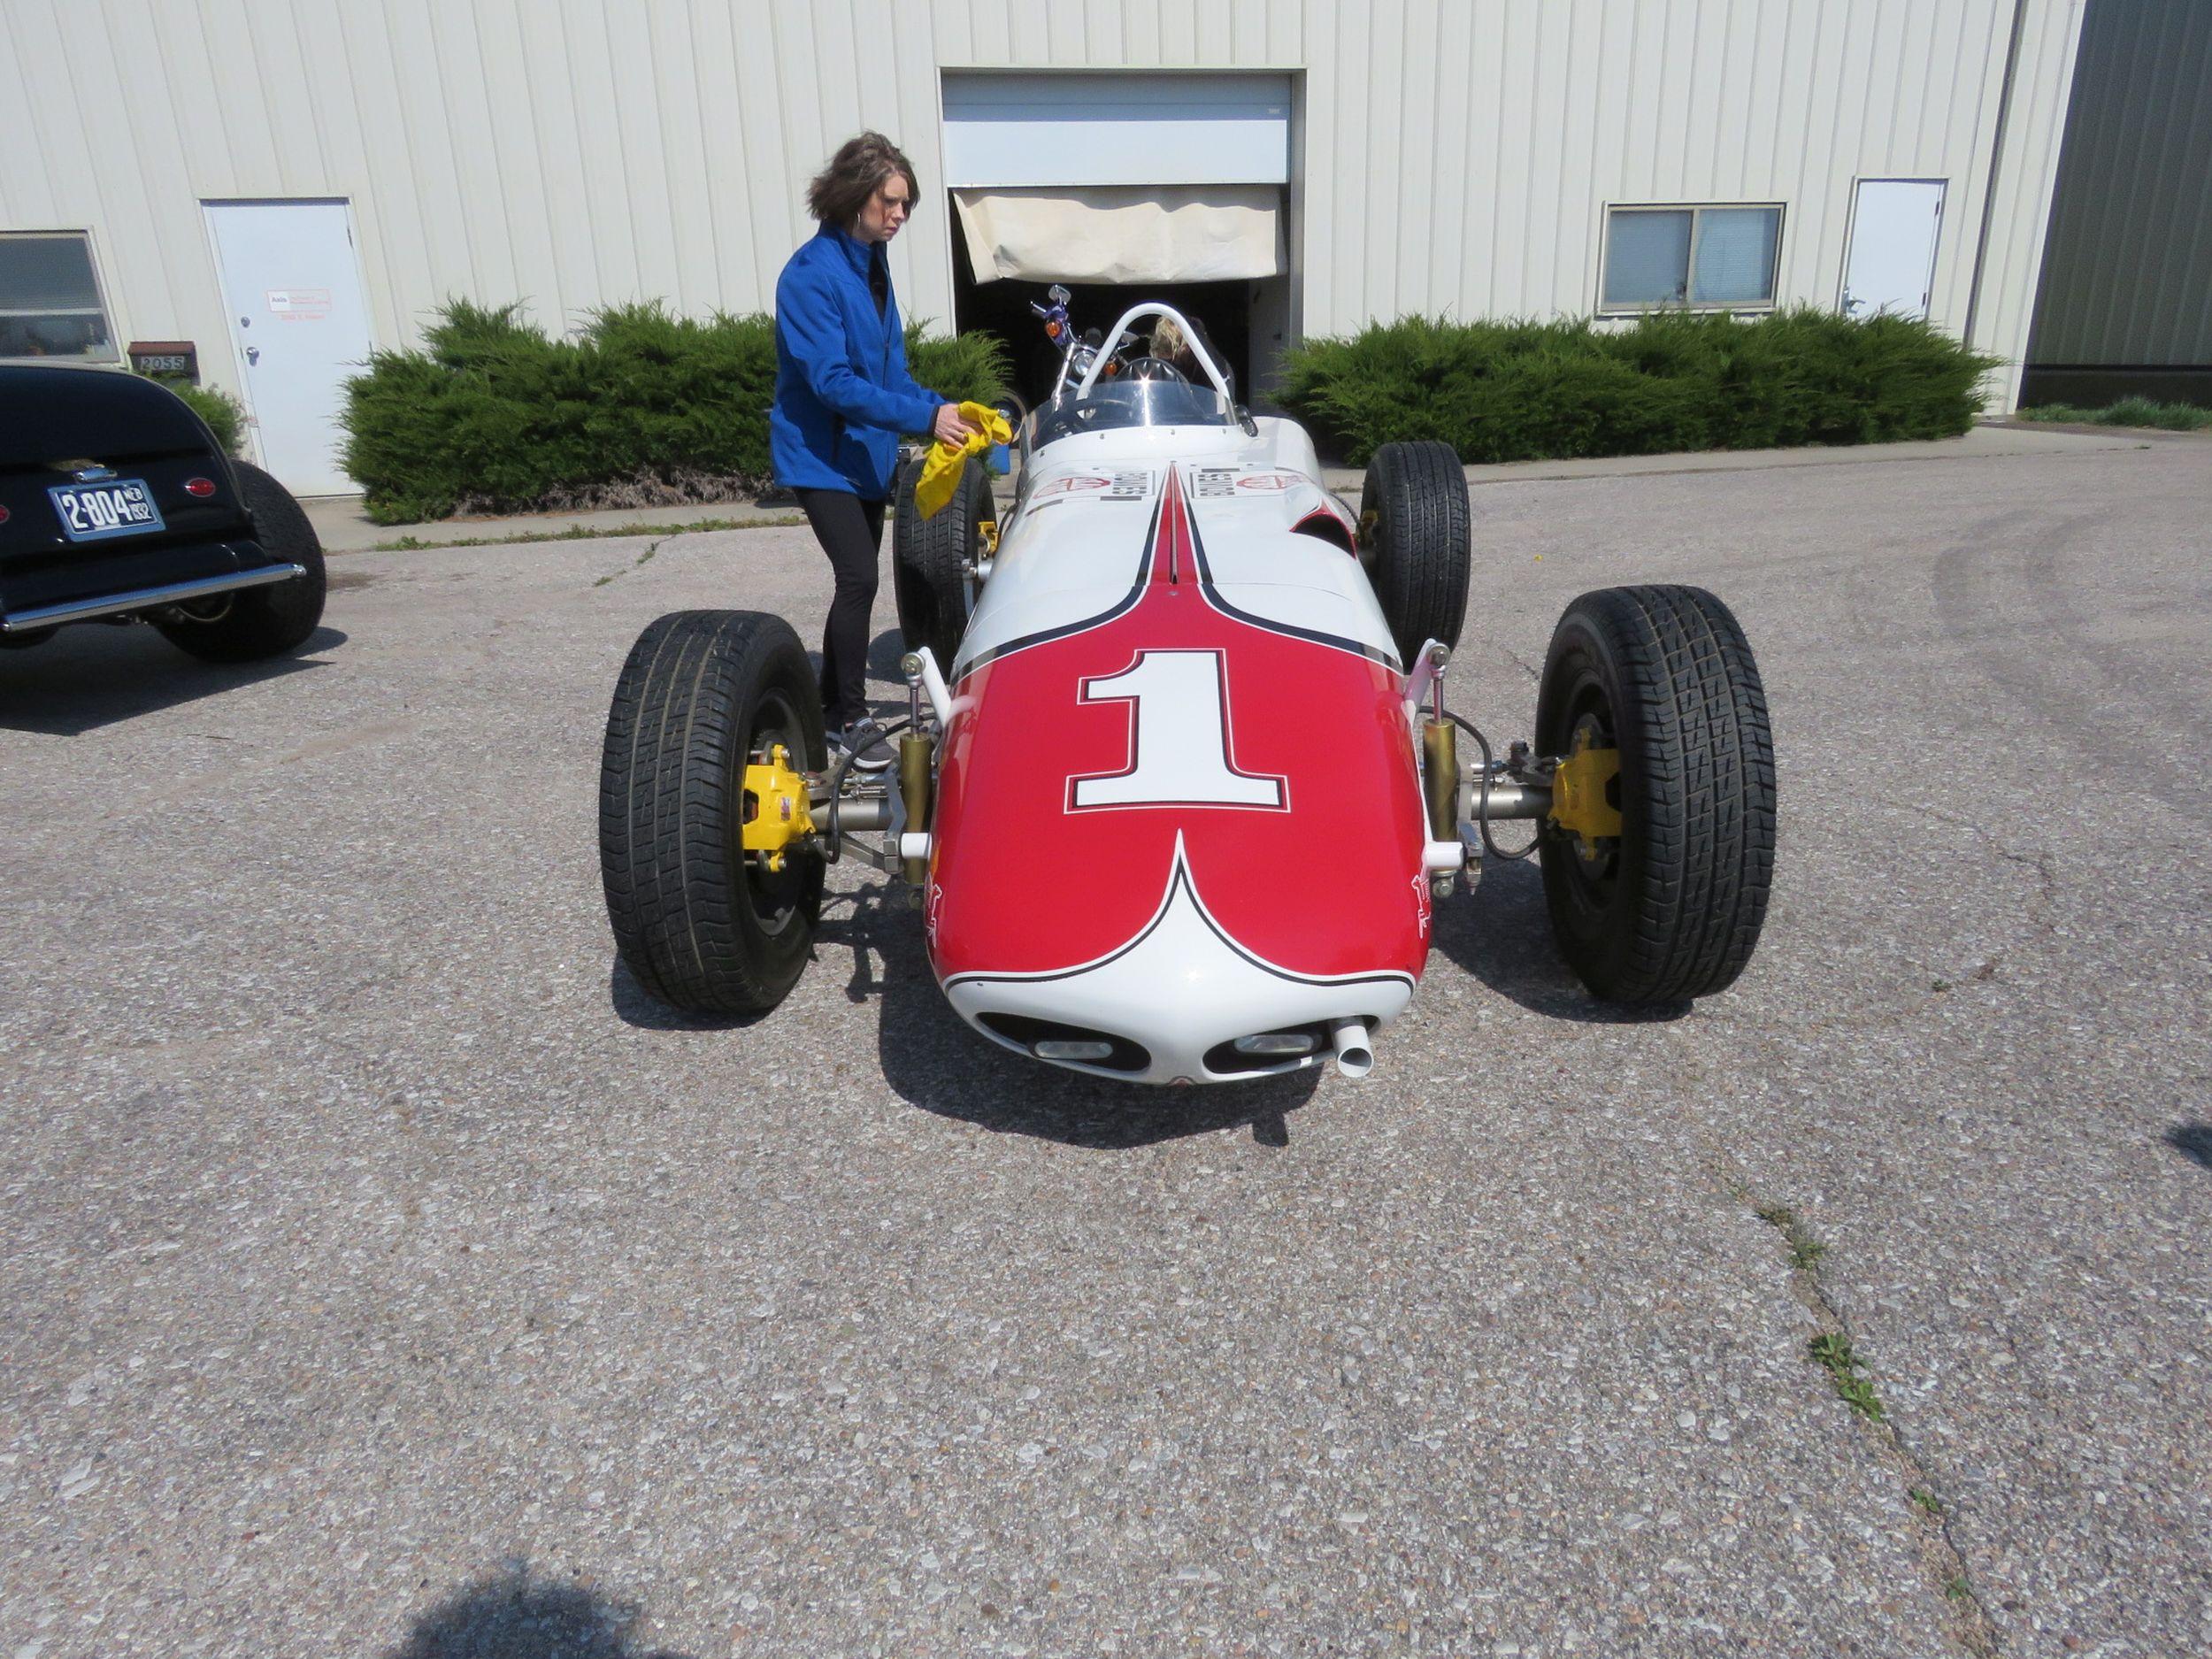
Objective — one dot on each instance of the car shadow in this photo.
(634, 1005)
(2192, 1138)
(517, 1614)
(884, 652)
(934, 1060)
(89, 676)
(1501, 935)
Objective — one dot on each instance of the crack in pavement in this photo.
(633, 565)
(1942, 1560)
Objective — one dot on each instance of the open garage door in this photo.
(1122, 186)
(1124, 234)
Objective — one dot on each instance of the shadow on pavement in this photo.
(884, 654)
(634, 1005)
(931, 1059)
(89, 676)
(1501, 935)
(516, 1615)
(2192, 1140)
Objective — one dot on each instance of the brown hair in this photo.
(856, 173)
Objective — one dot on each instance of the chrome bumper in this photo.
(145, 598)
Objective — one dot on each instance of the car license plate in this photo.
(93, 513)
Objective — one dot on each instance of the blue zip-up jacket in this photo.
(843, 394)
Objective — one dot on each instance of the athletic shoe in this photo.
(865, 741)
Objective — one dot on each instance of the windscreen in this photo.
(1114, 405)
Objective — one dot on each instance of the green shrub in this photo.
(2129, 412)
(1518, 391)
(969, 368)
(221, 412)
(641, 408)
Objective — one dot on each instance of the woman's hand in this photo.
(951, 429)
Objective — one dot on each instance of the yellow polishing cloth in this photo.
(941, 471)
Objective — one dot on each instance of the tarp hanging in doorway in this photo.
(1124, 234)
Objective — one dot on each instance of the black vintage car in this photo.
(118, 505)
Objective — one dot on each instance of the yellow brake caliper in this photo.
(1578, 794)
(777, 812)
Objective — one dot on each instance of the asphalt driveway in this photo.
(382, 1273)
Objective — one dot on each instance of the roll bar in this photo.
(1155, 308)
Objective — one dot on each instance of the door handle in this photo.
(253, 355)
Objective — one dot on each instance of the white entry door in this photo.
(1890, 267)
(299, 325)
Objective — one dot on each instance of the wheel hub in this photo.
(776, 808)
(1581, 804)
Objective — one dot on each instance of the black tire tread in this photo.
(1419, 527)
(927, 556)
(670, 788)
(264, 621)
(1698, 795)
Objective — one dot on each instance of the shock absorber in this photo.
(1440, 781)
(1439, 757)
(914, 777)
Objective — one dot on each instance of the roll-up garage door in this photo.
(1183, 233)
(1119, 178)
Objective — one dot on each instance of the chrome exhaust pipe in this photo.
(1354, 1058)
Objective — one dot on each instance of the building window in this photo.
(50, 300)
(1718, 257)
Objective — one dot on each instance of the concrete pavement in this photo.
(384, 1274)
(344, 528)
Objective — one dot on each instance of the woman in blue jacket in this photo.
(843, 396)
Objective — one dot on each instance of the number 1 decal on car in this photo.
(1179, 748)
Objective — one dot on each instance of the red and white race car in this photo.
(1177, 791)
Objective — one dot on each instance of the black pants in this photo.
(850, 531)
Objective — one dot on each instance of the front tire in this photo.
(704, 925)
(1415, 539)
(933, 560)
(258, 622)
(1670, 908)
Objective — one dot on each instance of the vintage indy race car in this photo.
(1177, 790)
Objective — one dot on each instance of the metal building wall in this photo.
(1456, 154)
(2127, 279)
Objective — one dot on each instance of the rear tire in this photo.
(268, 621)
(1416, 541)
(703, 926)
(931, 560)
(1672, 907)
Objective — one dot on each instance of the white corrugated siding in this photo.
(1455, 156)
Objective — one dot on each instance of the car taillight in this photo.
(3, 515)
(200, 487)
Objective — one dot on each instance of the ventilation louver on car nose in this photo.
(1049, 1039)
(1267, 1050)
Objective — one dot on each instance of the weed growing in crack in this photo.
(588, 532)
(1804, 1248)
(641, 559)
(1830, 1350)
